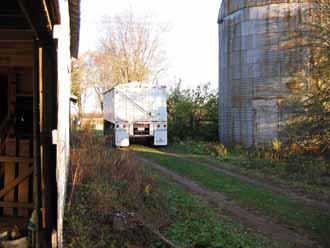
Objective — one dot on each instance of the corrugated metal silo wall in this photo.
(255, 65)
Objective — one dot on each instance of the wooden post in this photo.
(12, 102)
(47, 123)
(23, 188)
(9, 174)
(36, 141)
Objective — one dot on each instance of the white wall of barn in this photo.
(63, 128)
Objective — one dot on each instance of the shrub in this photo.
(193, 113)
(217, 150)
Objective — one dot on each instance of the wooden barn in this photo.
(37, 41)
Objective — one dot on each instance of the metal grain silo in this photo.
(256, 66)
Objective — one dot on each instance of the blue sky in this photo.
(191, 44)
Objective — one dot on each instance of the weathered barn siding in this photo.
(258, 60)
(63, 126)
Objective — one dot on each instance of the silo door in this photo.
(266, 120)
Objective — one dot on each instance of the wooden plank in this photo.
(12, 95)
(10, 221)
(15, 52)
(16, 35)
(18, 46)
(14, 183)
(23, 187)
(15, 159)
(19, 205)
(9, 175)
(38, 21)
(16, 60)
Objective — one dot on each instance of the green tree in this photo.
(193, 113)
(310, 128)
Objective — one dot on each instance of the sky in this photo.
(191, 44)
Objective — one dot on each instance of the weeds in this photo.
(217, 150)
(105, 182)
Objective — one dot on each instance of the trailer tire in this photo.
(113, 140)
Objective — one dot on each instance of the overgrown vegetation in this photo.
(193, 113)
(107, 184)
(300, 158)
(309, 130)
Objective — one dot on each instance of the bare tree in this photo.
(82, 79)
(132, 48)
(90, 74)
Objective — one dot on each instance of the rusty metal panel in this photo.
(266, 120)
(255, 62)
(265, 8)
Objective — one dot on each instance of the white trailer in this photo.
(135, 110)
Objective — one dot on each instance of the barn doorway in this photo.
(28, 114)
(16, 142)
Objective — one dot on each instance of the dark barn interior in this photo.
(28, 114)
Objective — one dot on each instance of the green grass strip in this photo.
(197, 225)
(302, 173)
(268, 203)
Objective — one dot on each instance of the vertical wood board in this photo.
(23, 188)
(9, 174)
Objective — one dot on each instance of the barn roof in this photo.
(74, 8)
(74, 11)
(230, 6)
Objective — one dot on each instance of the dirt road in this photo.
(317, 204)
(248, 218)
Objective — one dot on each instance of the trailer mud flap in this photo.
(122, 138)
(160, 137)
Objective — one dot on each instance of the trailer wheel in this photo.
(113, 140)
(106, 127)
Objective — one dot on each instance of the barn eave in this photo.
(74, 8)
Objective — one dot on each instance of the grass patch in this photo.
(280, 207)
(196, 225)
(190, 223)
(300, 173)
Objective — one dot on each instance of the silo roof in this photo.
(230, 6)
